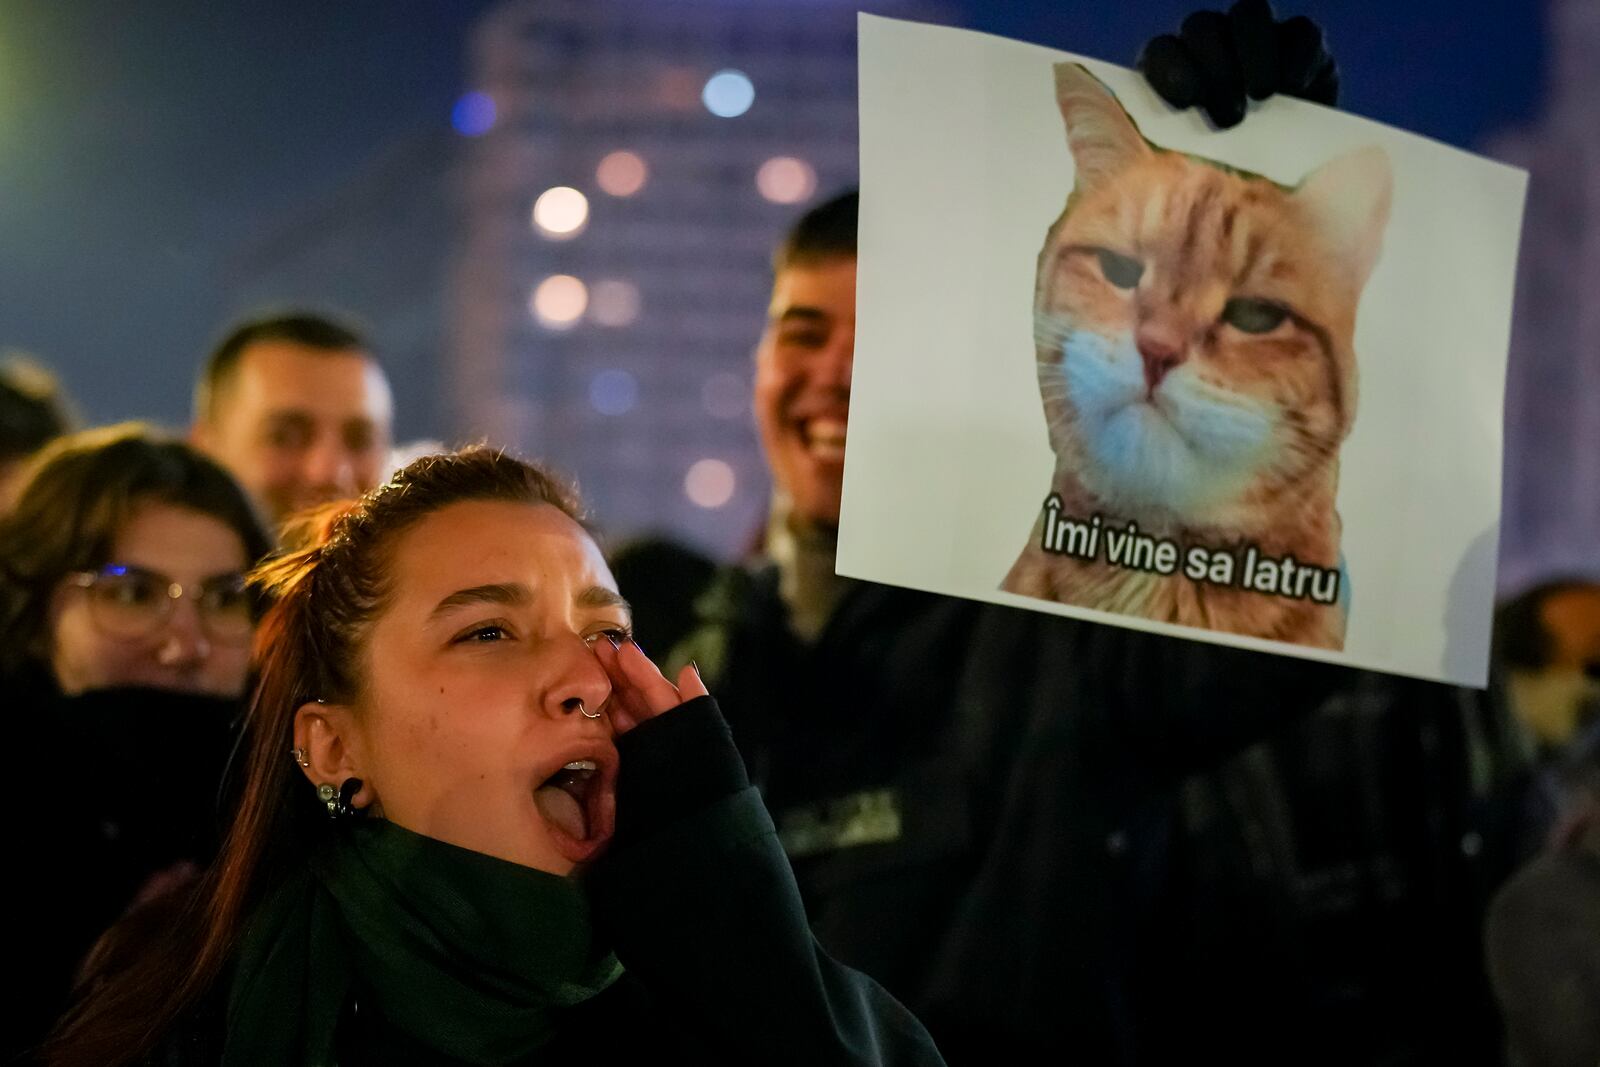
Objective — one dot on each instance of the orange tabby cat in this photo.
(1193, 328)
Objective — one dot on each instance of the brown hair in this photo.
(34, 410)
(311, 330)
(326, 593)
(80, 490)
(827, 231)
(1522, 640)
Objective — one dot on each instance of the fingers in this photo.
(1256, 39)
(690, 684)
(1171, 73)
(638, 690)
(1220, 61)
(1209, 39)
(1301, 55)
(626, 707)
(653, 689)
(1324, 87)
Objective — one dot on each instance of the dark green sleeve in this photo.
(700, 905)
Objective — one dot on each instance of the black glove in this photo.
(1216, 60)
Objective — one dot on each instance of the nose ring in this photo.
(586, 713)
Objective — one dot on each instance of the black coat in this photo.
(994, 812)
(106, 790)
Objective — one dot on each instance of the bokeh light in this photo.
(613, 392)
(728, 94)
(726, 396)
(678, 88)
(786, 180)
(473, 114)
(622, 173)
(614, 302)
(559, 301)
(710, 483)
(561, 212)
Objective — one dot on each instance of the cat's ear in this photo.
(1350, 197)
(1103, 138)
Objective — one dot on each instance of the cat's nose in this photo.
(1161, 351)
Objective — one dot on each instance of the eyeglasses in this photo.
(133, 602)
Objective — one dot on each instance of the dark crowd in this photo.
(325, 758)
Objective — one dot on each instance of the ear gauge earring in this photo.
(339, 802)
(345, 807)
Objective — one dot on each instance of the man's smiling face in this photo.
(802, 384)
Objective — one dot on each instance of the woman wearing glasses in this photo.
(125, 634)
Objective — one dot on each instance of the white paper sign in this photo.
(1246, 387)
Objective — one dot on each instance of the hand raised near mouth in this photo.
(638, 690)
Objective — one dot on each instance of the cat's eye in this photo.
(1121, 271)
(1254, 316)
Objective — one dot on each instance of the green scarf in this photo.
(473, 956)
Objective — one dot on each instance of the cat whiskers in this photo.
(1050, 331)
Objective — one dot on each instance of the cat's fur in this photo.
(1169, 406)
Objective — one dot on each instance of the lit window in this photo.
(786, 180)
(710, 483)
(622, 173)
(560, 212)
(728, 94)
(559, 301)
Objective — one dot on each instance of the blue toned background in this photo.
(166, 165)
(143, 145)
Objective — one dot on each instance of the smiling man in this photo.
(802, 402)
(298, 409)
(803, 364)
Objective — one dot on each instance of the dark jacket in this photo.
(1329, 883)
(696, 899)
(993, 811)
(1543, 935)
(1543, 942)
(966, 790)
(109, 789)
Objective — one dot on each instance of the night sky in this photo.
(141, 145)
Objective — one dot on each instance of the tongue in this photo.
(562, 809)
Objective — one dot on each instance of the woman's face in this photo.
(469, 727)
(123, 627)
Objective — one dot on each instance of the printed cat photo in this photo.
(1194, 328)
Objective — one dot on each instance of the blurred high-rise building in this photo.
(1551, 520)
(631, 165)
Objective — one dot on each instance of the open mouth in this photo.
(578, 804)
(824, 439)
